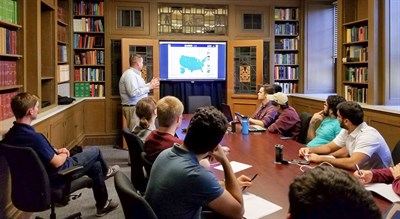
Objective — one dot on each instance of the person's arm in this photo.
(58, 160)
(340, 153)
(344, 163)
(135, 86)
(256, 122)
(311, 128)
(230, 203)
(323, 149)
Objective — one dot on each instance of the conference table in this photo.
(258, 150)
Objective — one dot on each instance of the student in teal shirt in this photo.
(329, 127)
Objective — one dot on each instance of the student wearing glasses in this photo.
(266, 113)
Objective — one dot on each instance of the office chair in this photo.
(133, 204)
(135, 148)
(305, 118)
(396, 153)
(195, 102)
(31, 189)
(146, 163)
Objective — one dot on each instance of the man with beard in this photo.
(365, 145)
(329, 127)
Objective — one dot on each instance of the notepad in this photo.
(384, 190)
(236, 166)
(257, 207)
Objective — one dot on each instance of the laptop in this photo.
(226, 110)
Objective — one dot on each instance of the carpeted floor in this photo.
(86, 203)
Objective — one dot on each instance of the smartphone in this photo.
(285, 137)
(301, 162)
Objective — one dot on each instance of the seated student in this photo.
(169, 113)
(330, 193)
(288, 122)
(385, 175)
(179, 186)
(365, 146)
(329, 127)
(266, 113)
(25, 108)
(146, 111)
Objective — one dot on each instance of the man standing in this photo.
(179, 186)
(25, 109)
(329, 127)
(132, 88)
(365, 145)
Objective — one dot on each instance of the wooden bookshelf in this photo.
(63, 45)
(286, 71)
(89, 50)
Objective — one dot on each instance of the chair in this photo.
(135, 148)
(146, 163)
(195, 102)
(31, 190)
(133, 204)
(305, 118)
(396, 153)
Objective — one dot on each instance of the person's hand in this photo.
(243, 181)
(226, 149)
(63, 150)
(303, 152)
(395, 171)
(218, 154)
(154, 83)
(315, 158)
(365, 177)
(319, 116)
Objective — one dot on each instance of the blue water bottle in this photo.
(245, 125)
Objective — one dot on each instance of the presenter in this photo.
(132, 88)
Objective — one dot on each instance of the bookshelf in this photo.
(11, 78)
(286, 51)
(357, 59)
(88, 47)
(63, 47)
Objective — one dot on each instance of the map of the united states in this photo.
(191, 63)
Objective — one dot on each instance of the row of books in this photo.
(286, 13)
(286, 29)
(62, 33)
(8, 41)
(89, 58)
(63, 73)
(89, 74)
(357, 74)
(61, 14)
(287, 44)
(286, 72)
(62, 54)
(88, 42)
(355, 34)
(8, 73)
(288, 88)
(5, 105)
(88, 25)
(88, 8)
(9, 11)
(356, 53)
(355, 94)
(85, 89)
(290, 58)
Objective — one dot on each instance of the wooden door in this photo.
(245, 70)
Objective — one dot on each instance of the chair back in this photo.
(133, 204)
(146, 163)
(29, 180)
(135, 148)
(305, 118)
(396, 153)
(195, 102)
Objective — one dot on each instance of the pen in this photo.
(358, 169)
(255, 175)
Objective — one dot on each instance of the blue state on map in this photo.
(191, 63)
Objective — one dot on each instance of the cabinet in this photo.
(88, 46)
(286, 52)
(11, 67)
(358, 51)
(63, 47)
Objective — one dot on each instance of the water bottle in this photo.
(245, 125)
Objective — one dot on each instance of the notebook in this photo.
(226, 110)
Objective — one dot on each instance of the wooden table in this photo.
(258, 150)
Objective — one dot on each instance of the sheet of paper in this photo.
(236, 166)
(256, 207)
(384, 190)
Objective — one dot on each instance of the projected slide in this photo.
(193, 61)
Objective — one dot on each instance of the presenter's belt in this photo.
(129, 105)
